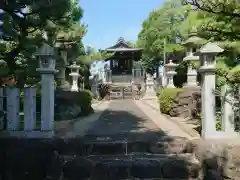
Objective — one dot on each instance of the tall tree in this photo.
(27, 23)
(161, 25)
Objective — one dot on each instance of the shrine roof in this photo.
(120, 46)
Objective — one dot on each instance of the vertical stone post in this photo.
(207, 55)
(133, 76)
(47, 70)
(75, 75)
(170, 73)
(109, 76)
(227, 110)
(13, 100)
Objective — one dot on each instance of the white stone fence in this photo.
(46, 57)
(23, 123)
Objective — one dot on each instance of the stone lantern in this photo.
(75, 75)
(191, 45)
(150, 93)
(61, 64)
(170, 73)
(47, 60)
(207, 56)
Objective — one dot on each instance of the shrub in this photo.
(84, 99)
(166, 98)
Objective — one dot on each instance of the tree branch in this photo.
(214, 9)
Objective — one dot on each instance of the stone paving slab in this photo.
(78, 126)
(170, 128)
(182, 123)
(124, 118)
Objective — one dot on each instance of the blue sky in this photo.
(108, 20)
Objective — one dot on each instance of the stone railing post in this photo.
(110, 76)
(133, 76)
(47, 70)
(207, 55)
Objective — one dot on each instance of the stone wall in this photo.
(76, 159)
(187, 104)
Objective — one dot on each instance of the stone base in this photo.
(75, 89)
(191, 86)
(149, 97)
(170, 86)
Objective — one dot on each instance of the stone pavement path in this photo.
(123, 117)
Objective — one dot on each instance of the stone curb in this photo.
(80, 126)
(95, 105)
(190, 132)
(94, 115)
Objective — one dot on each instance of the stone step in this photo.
(112, 145)
(141, 166)
(120, 144)
(97, 145)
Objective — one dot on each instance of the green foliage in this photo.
(161, 25)
(29, 23)
(85, 100)
(220, 18)
(166, 98)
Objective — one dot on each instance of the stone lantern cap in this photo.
(193, 38)
(45, 50)
(191, 57)
(74, 66)
(171, 64)
(209, 48)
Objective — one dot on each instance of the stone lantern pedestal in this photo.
(170, 73)
(75, 75)
(46, 55)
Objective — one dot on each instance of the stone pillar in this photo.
(207, 55)
(47, 71)
(75, 75)
(170, 73)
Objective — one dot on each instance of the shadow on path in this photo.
(124, 119)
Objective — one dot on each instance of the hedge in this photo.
(85, 100)
(166, 98)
